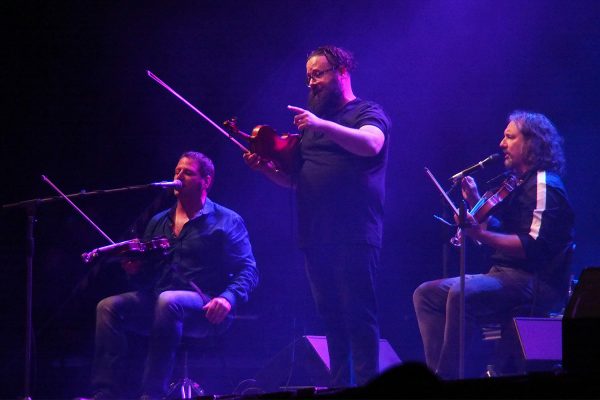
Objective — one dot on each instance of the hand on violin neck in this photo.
(269, 169)
(258, 163)
(469, 190)
(254, 161)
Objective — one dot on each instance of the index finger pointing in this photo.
(297, 110)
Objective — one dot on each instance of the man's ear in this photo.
(208, 179)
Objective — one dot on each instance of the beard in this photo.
(325, 100)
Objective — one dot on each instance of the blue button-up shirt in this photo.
(212, 250)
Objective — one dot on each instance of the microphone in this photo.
(479, 165)
(176, 184)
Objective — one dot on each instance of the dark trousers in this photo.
(165, 319)
(342, 280)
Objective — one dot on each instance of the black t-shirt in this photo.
(539, 212)
(341, 195)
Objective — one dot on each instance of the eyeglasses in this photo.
(317, 75)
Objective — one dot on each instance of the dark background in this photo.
(79, 108)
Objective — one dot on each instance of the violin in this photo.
(281, 150)
(264, 140)
(486, 203)
(129, 248)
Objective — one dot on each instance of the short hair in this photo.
(543, 143)
(336, 56)
(207, 168)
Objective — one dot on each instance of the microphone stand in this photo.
(462, 212)
(31, 207)
(463, 257)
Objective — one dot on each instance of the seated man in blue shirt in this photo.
(192, 291)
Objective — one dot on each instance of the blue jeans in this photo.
(165, 319)
(488, 297)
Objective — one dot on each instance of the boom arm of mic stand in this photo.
(67, 198)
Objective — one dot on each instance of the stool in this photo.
(184, 387)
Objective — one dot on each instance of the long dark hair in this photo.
(543, 143)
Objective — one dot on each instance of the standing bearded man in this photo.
(340, 189)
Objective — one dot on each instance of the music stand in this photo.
(460, 212)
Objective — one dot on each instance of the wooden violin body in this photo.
(486, 203)
(489, 200)
(281, 150)
(129, 248)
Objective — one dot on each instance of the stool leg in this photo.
(185, 391)
(185, 385)
(188, 386)
(184, 395)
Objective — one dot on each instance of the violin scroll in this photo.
(232, 126)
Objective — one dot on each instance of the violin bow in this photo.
(190, 105)
(53, 186)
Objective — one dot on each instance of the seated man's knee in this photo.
(106, 306)
(421, 293)
(168, 302)
(109, 310)
(475, 301)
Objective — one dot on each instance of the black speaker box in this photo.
(581, 326)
